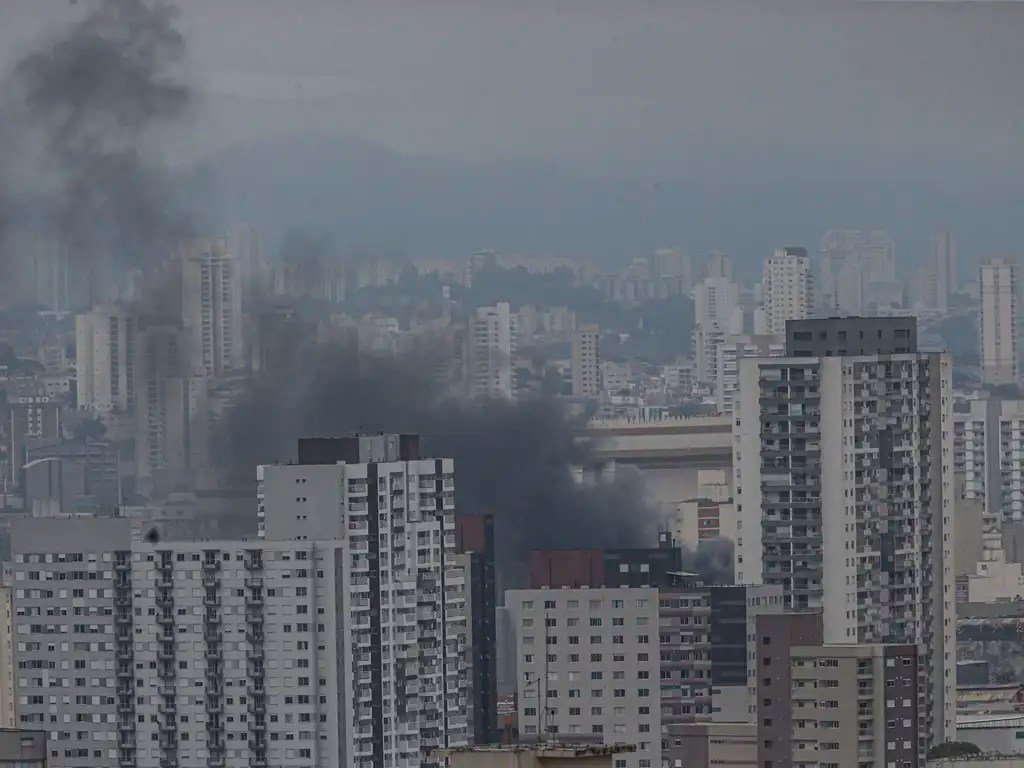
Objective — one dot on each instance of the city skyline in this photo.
(651, 406)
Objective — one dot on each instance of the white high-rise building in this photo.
(492, 348)
(717, 314)
(211, 307)
(586, 361)
(707, 338)
(337, 639)
(843, 472)
(788, 287)
(999, 338)
(406, 615)
(105, 341)
(715, 298)
(730, 352)
(242, 658)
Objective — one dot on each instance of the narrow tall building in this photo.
(999, 338)
(492, 348)
(172, 415)
(843, 462)
(105, 341)
(586, 361)
(474, 535)
(788, 287)
(211, 307)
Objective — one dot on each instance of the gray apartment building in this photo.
(339, 638)
(843, 472)
(627, 665)
(829, 705)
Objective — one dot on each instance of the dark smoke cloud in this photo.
(512, 459)
(82, 120)
(713, 561)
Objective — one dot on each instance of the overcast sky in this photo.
(717, 88)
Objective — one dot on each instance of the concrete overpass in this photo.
(668, 453)
(690, 441)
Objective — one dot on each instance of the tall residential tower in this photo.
(999, 337)
(843, 462)
(788, 287)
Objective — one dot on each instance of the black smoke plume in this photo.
(83, 118)
(512, 459)
(713, 560)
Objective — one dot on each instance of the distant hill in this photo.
(363, 193)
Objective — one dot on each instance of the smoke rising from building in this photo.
(513, 459)
(713, 560)
(82, 121)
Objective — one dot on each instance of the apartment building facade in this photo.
(406, 581)
(613, 663)
(989, 450)
(492, 349)
(211, 306)
(586, 361)
(828, 705)
(999, 324)
(788, 286)
(105, 357)
(843, 469)
(349, 649)
(64, 579)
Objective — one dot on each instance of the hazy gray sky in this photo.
(718, 89)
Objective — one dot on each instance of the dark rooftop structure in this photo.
(851, 336)
(360, 449)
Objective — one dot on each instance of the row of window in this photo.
(527, 605)
(595, 621)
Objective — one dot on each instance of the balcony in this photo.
(256, 705)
